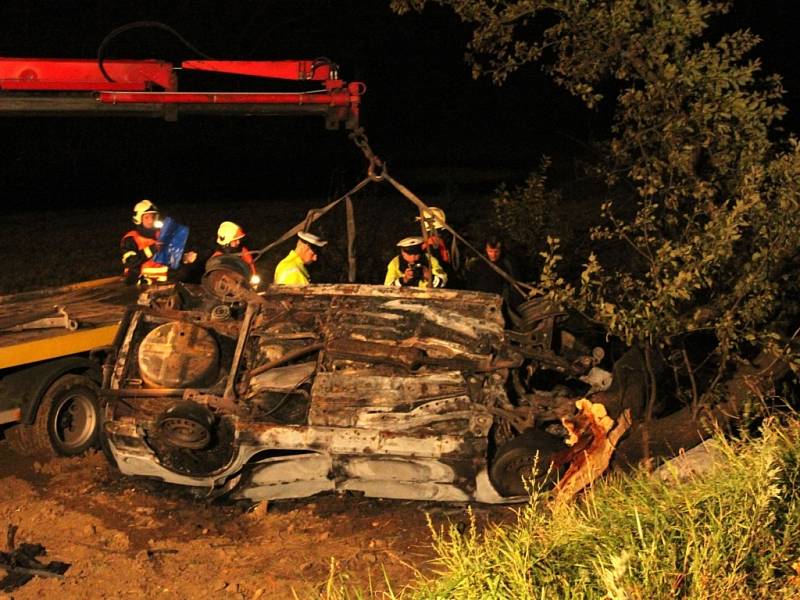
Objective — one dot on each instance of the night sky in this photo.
(422, 111)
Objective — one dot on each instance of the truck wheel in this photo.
(67, 422)
(513, 463)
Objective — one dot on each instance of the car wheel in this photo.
(513, 464)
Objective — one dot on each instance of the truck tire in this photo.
(67, 422)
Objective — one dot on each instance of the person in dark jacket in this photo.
(483, 278)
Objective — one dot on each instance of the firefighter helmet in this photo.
(433, 216)
(142, 208)
(228, 231)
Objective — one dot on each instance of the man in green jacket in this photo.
(293, 270)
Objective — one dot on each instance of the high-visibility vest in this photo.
(397, 267)
(150, 271)
(291, 271)
(244, 254)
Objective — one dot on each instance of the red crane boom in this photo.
(149, 88)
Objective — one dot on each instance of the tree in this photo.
(701, 191)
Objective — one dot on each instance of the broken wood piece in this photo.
(21, 565)
(596, 428)
(39, 572)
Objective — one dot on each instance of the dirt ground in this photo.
(127, 538)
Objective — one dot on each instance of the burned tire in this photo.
(189, 439)
(66, 423)
(186, 425)
(227, 277)
(514, 461)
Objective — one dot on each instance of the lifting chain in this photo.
(377, 172)
(377, 169)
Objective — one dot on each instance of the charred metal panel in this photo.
(283, 379)
(388, 477)
(178, 354)
(402, 318)
(341, 398)
(338, 440)
(287, 477)
(428, 491)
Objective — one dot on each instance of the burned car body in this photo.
(389, 392)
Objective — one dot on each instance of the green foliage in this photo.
(702, 198)
(339, 587)
(526, 214)
(731, 534)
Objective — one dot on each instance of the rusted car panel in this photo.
(388, 392)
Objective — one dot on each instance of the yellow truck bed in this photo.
(96, 307)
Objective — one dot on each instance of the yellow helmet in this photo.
(142, 208)
(228, 231)
(434, 216)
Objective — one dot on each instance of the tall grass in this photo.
(733, 533)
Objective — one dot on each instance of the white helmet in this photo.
(434, 216)
(311, 239)
(142, 208)
(228, 231)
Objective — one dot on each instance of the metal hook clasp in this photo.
(376, 170)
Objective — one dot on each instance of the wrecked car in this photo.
(386, 392)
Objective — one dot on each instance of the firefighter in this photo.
(435, 243)
(293, 270)
(411, 267)
(140, 245)
(229, 241)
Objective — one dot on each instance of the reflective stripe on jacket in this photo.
(394, 275)
(149, 270)
(291, 271)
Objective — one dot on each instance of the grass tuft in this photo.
(732, 533)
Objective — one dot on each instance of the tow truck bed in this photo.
(95, 307)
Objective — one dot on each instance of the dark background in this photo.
(438, 129)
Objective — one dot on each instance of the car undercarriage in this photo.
(388, 392)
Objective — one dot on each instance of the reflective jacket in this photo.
(291, 271)
(242, 252)
(137, 255)
(397, 267)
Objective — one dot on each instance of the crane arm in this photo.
(78, 87)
